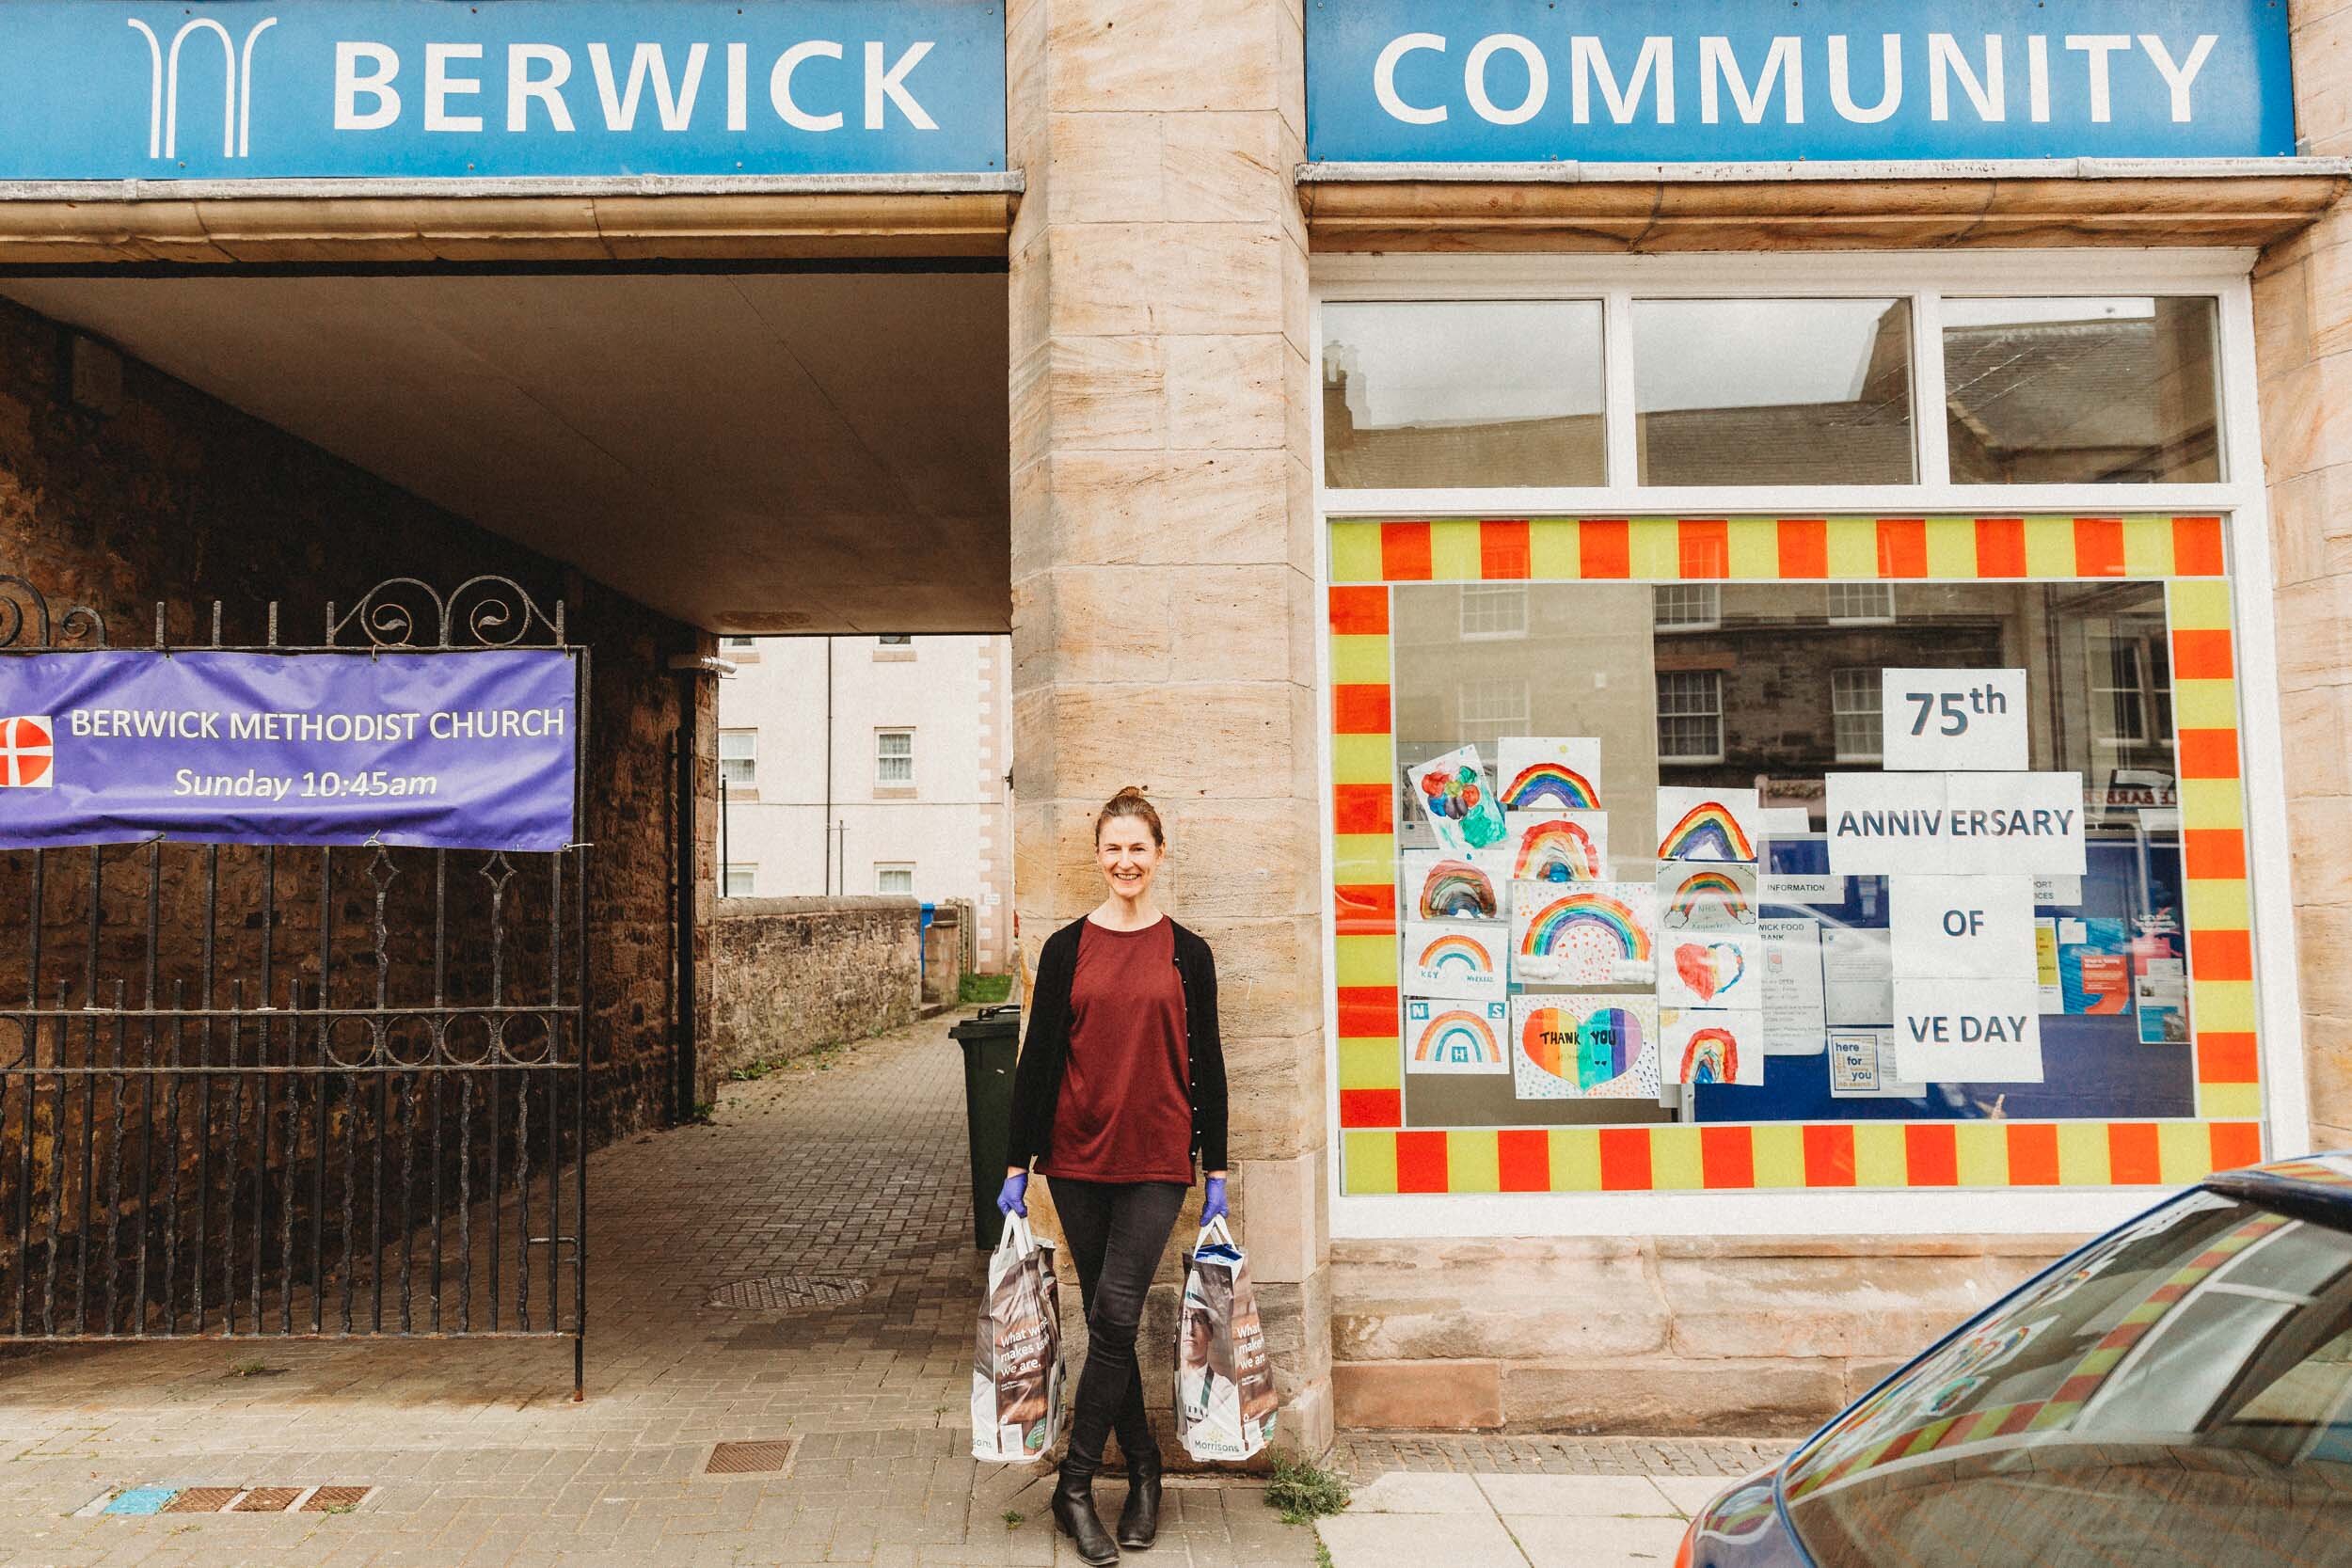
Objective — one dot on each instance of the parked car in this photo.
(2179, 1391)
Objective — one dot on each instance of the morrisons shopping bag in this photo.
(1224, 1383)
(1016, 1367)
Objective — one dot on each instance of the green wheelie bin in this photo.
(991, 1042)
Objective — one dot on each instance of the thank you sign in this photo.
(105, 90)
(473, 750)
(1741, 80)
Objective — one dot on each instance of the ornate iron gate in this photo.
(296, 1092)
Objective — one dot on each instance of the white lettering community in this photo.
(331, 728)
(1978, 68)
(454, 79)
(237, 98)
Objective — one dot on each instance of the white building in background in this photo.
(861, 765)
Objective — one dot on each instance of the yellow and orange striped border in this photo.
(1381, 1155)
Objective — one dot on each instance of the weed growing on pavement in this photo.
(984, 990)
(1301, 1490)
(1323, 1554)
(1013, 1518)
(252, 1366)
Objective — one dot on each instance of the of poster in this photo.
(1446, 1035)
(1439, 886)
(1960, 927)
(1573, 1046)
(2160, 996)
(1557, 846)
(1584, 933)
(1697, 897)
(1709, 1045)
(1453, 798)
(2094, 966)
(1710, 969)
(1857, 977)
(1862, 1067)
(1460, 959)
(1967, 1031)
(1547, 773)
(2046, 965)
(1794, 1020)
(1706, 824)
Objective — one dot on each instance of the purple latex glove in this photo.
(1213, 1201)
(1014, 1198)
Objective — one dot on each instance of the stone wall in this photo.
(1737, 1336)
(795, 974)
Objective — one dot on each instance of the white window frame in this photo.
(1488, 595)
(1829, 606)
(1875, 687)
(1693, 759)
(753, 731)
(734, 869)
(1710, 594)
(1924, 278)
(882, 734)
(888, 868)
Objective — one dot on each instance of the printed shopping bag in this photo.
(1016, 1367)
(1225, 1401)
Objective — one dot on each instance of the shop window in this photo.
(1689, 607)
(739, 759)
(895, 879)
(2082, 391)
(1853, 706)
(1462, 393)
(1861, 603)
(894, 759)
(1489, 710)
(740, 880)
(1773, 391)
(1689, 716)
(1494, 609)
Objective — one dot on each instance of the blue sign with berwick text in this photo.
(268, 89)
(1768, 80)
(455, 751)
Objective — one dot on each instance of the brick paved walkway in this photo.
(853, 1166)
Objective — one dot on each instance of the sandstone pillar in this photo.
(1163, 551)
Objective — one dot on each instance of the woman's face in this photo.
(1128, 858)
(1197, 1338)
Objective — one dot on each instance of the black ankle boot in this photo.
(1073, 1511)
(1139, 1521)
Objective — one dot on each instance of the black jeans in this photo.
(1117, 1232)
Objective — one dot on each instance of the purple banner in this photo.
(456, 750)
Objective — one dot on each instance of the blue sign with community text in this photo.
(268, 89)
(1757, 80)
(457, 751)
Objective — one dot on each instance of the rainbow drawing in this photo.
(1457, 1039)
(1620, 928)
(1557, 849)
(1716, 890)
(1458, 890)
(1711, 1056)
(1707, 832)
(1456, 949)
(1550, 784)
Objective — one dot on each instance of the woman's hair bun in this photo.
(1130, 801)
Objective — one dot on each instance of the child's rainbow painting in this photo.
(1444, 1035)
(1710, 970)
(1438, 886)
(1458, 958)
(1698, 897)
(1558, 846)
(1710, 1045)
(1544, 773)
(1456, 801)
(1583, 933)
(1572, 1045)
(1708, 824)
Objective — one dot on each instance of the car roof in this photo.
(2316, 1187)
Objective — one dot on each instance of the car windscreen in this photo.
(2180, 1393)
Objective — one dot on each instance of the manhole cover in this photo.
(792, 1293)
(750, 1459)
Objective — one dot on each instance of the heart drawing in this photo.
(1709, 968)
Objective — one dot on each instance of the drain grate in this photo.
(203, 1499)
(133, 1501)
(751, 1458)
(791, 1293)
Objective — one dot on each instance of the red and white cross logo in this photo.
(27, 754)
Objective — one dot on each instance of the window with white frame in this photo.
(741, 879)
(1688, 605)
(895, 879)
(1857, 733)
(1861, 603)
(1486, 710)
(1689, 716)
(1492, 609)
(895, 640)
(894, 758)
(739, 759)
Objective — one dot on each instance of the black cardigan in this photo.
(1036, 1083)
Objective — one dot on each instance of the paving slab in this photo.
(1586, 1497)
(1564, 1540)
(1390, 1540)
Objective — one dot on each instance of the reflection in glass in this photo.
(2081, 391)
(1773, 392)
(1462, 393)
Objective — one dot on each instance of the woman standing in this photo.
(1121, 1084)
